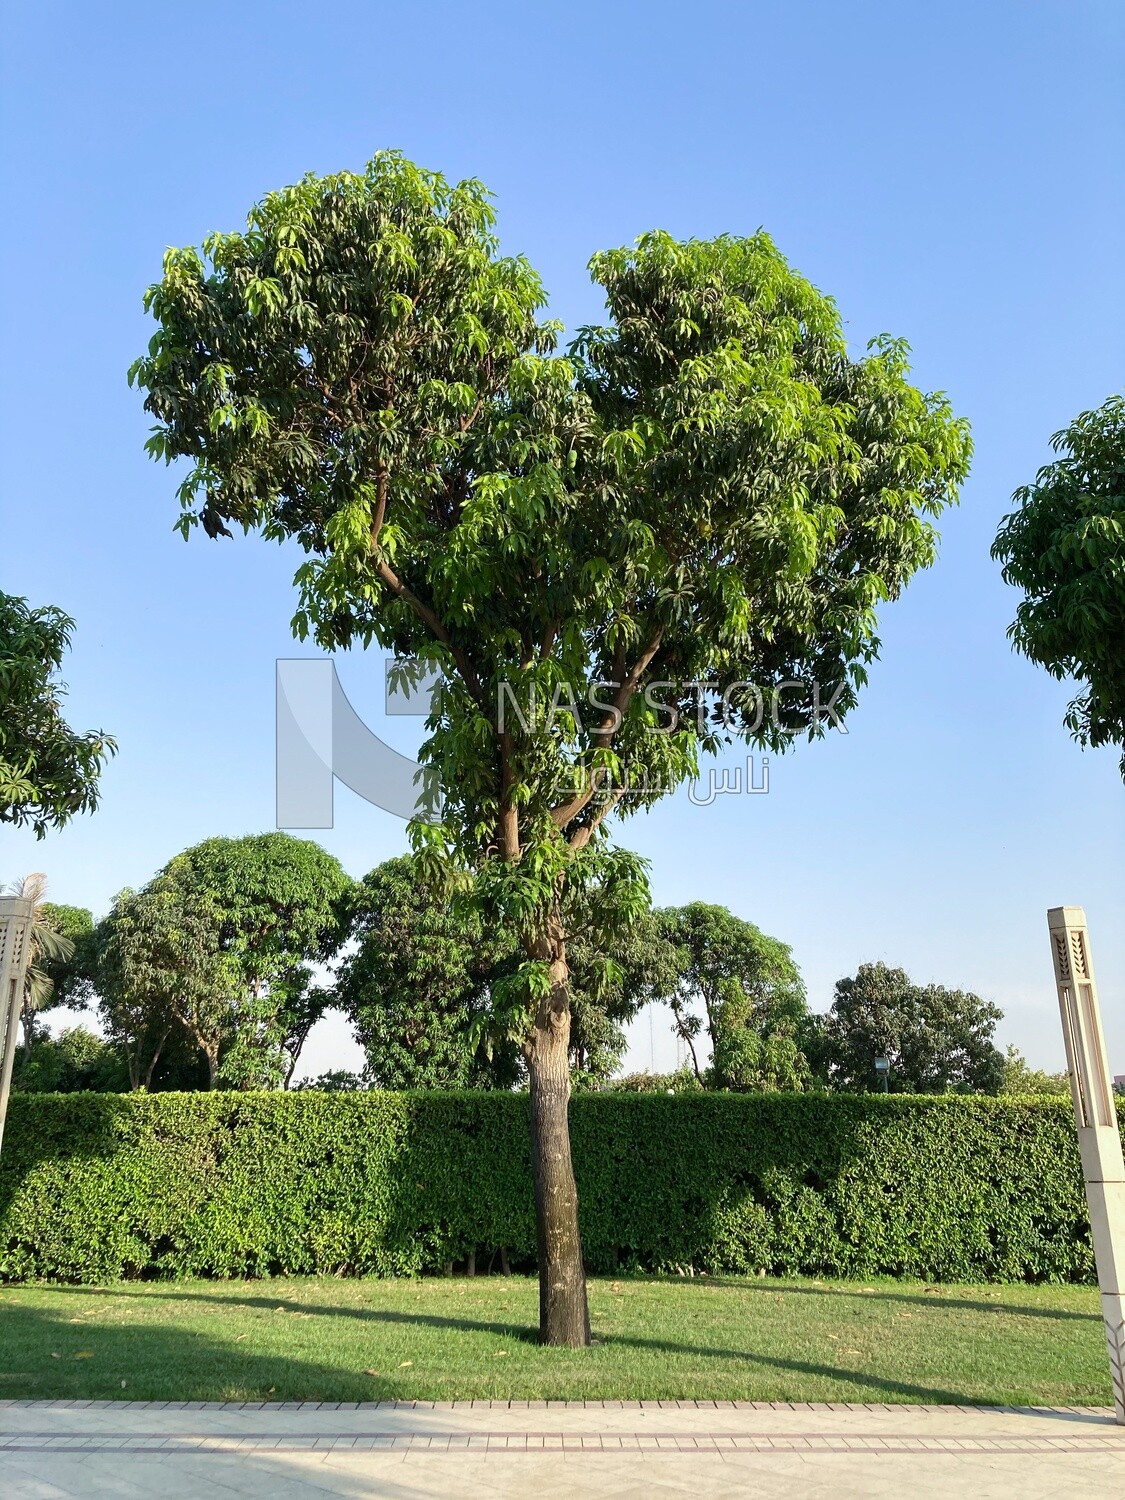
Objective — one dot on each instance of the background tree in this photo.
(751, 995)
(159, 974)
(1065, 548)
(418, 987)
(706, 490)
(335, 1081)
(935, 1039)
(48, 773)
(74, 923)
(279, 908)
(416, 984)
(219, 947)
(610, 981)
(77, 1060)
(1021, 1079)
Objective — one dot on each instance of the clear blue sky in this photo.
(949, 172)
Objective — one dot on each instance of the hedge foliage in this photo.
(95, 1187)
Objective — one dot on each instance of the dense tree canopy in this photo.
(700, 505)
(418, 986)
(216, 950)
(934, 1039)
(1065, 548)
(279, 905)
(159, 976)
(48, 773)
(751, 994)
(75, 1061)
(616, 968)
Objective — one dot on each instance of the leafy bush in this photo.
(75, 1060)
(95, 1187)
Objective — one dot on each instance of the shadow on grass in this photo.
(214, 1369)
(699, 1286)
(933, 1299)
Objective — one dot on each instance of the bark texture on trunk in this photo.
(564, 1316)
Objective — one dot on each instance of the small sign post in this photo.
(15, 925)
(1099, 1138)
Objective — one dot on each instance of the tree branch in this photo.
(582, 836)
(607, 729)
(508, 830)
(424, 612)
(382, 487)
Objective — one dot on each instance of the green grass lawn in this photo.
(723, 1338)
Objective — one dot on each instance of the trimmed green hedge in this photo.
(95, 1187)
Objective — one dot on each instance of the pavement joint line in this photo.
(502, 1442)
(870, 1407)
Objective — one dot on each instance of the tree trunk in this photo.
(153, 1060)
(683, 1032)
(564, 1317)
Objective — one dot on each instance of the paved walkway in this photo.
(546, 1449)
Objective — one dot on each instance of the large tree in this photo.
(160, 977)
(743, 989)
(48, 773)
(1065, 548)
(279, 906)
(936, 1040)
(219, 947)
(707, 492)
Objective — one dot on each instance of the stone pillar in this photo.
(1099, 1138)
(15, 925)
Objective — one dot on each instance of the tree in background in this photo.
(417, 983)
(752, 998)
(935, 1040)
(159, 975)
(278, 903)
(418, 987)
(631, 964)
(47, 772)
(77, 1060)
(1021, 1079)
(1065, 548)
(75, 924)
(217, 950)
(706, 490)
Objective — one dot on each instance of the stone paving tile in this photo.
(409, 1450)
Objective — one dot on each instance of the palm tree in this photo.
(46, 945)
